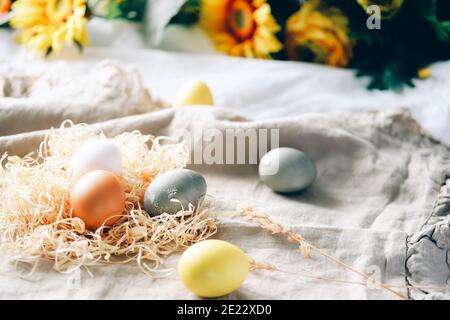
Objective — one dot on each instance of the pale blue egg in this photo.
(173, 190)
(287, 170)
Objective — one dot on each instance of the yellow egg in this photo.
(194, 93)
(213, 268)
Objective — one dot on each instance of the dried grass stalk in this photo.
(267, 223)
(259, 265)
(35, 216)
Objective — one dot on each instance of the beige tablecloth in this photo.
(380, 204)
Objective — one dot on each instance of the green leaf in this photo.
(114, 10)
(413, 39)
(127, 9)
(188, 14)
(429, 11)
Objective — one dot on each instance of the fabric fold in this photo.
(30, 102)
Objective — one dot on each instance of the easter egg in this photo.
(174, 190)
(213, 268)
(194, 93)
(287, 170)
(97, 198)
(96, 155)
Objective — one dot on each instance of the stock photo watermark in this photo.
(374, 19)
(230, 146)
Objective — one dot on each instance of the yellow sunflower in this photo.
(49, 24)
(318, 33)
(243, 28)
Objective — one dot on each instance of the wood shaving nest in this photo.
(36, 220)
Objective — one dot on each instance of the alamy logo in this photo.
(374, 20)
(230, 145)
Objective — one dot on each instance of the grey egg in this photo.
(287, 170)
(185, 186)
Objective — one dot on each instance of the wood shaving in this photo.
(36, 219)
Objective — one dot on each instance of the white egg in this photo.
(96, 155)
(287, 170)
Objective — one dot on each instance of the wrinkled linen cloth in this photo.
(380, 204)
(33, 101)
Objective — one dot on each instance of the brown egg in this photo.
(97, 198)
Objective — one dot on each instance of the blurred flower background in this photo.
(241, 28)
(4, 7)
(319, 34)
(46, 26)
(339, 33)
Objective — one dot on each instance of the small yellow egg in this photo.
(213, 268)
(194, 93)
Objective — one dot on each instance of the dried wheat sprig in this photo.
(267, 223)
(258, 265)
